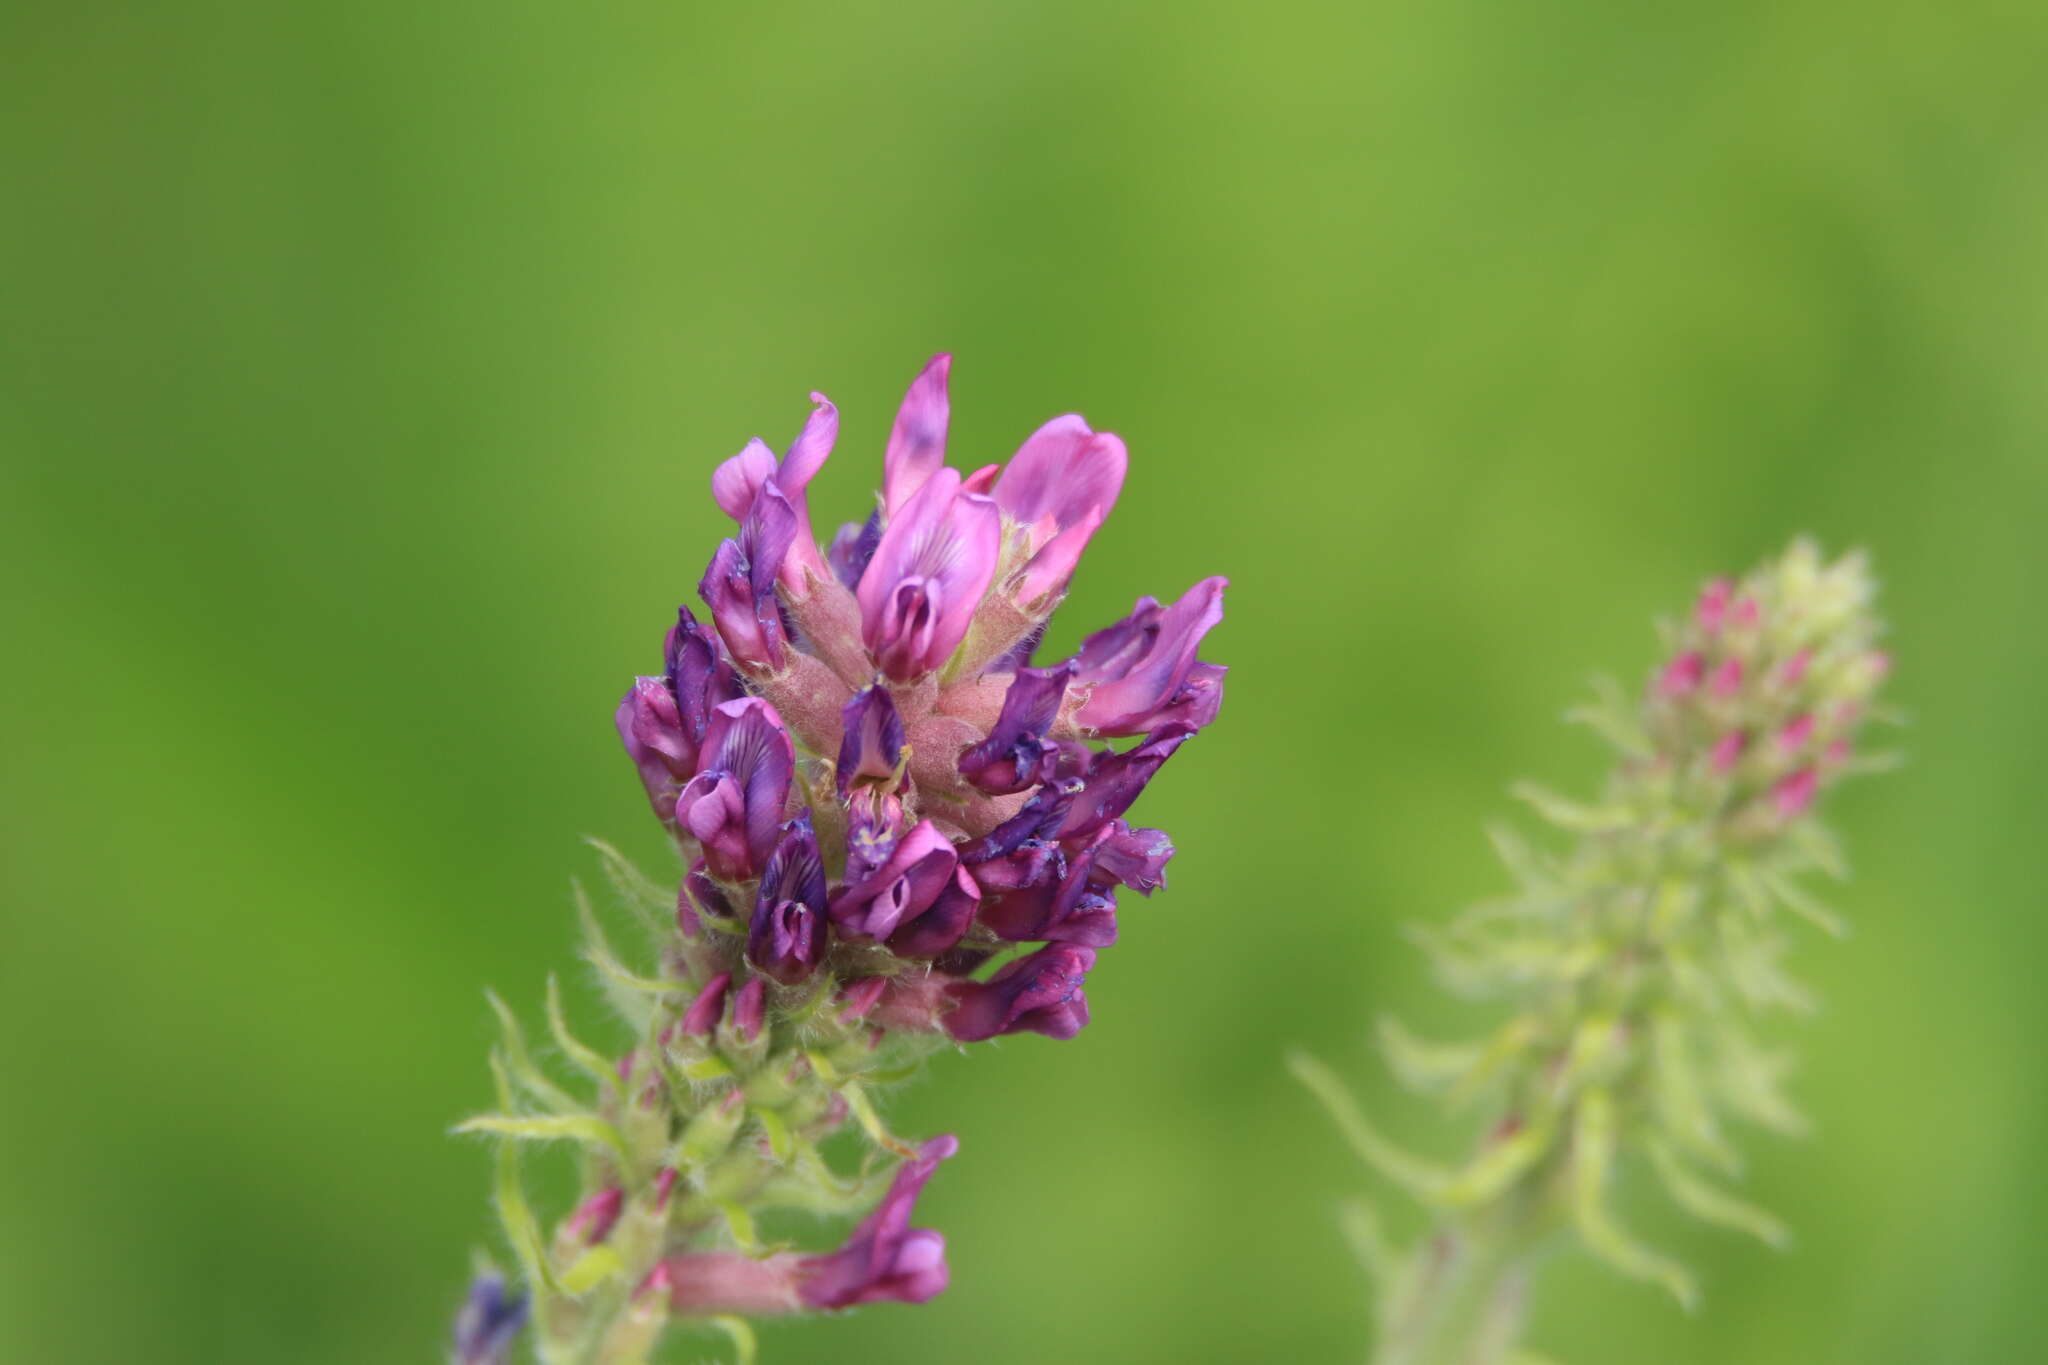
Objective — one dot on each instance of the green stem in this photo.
(1464, 1304)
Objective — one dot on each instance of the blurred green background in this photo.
(361, 370)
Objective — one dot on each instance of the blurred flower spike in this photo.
(897, 831)
(1633, 966)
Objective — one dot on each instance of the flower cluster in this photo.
(898, 833)
(1634, 965)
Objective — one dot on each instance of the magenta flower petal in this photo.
(917, 442)
(735, 483)
(930, 571)
(1139, 669)
(1062, 473)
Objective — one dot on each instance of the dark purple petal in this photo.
(1038, 817)
(944, 923)
(871, 743)
(786, 937)
(1040, 993)
(752, 629)
(1114, 781)
(489, 1322)
(1138, 668)
(1132, 857)
(1018, 656)
(902, 890)
(697, 674)
(1072, 909)
(700, 896)
(734, 805)
(1016, 753)
(853, 547)
(885, 1259)
(917, 442)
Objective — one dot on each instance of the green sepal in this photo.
(591, 1269)
(586, 1128)
(1594, 1140)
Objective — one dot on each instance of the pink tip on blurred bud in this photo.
(1682, 674)
(1795, 734)
(1727, 751)
(1746, 614)
(1795, 793)
(1728, 678)
(1879, 663)
(593, 1220)
(709, 1006)
(749, 1008)
(664, 1186)
(1837, 753)
(1795, 668)
(856, 1000)
(1712, 610)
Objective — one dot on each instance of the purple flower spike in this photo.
(1016, 753)
(898, 832)
(1037, 994)
(489, 1322)
(872, 746)
(928, 576)
(917, 443)
(902, 890)
(786, 938)
(885, 1260)
(733, 806)
(1142, 670)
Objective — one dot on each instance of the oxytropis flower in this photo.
(1633, 966)
(897, 831)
